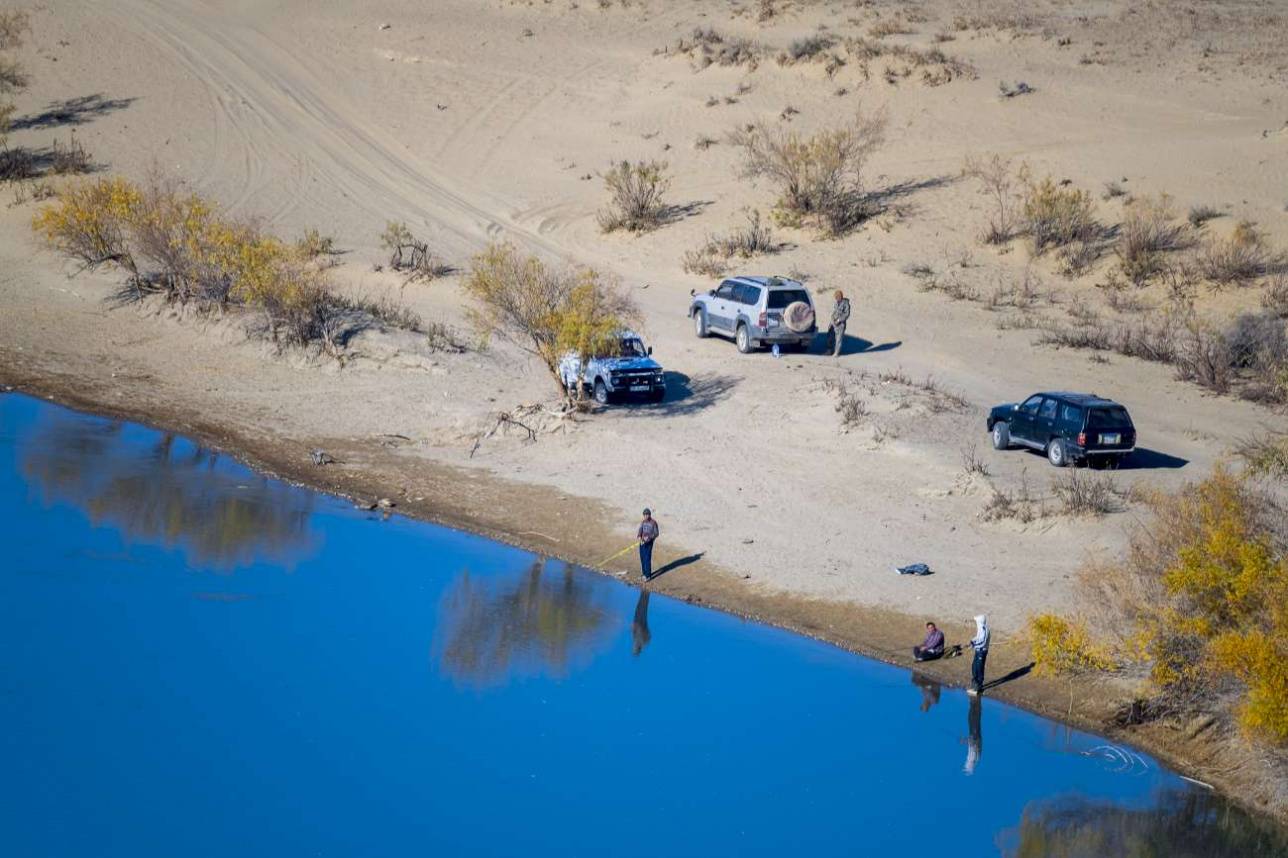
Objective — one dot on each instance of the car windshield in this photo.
(780, 298)
(632, 348)
(1108, 418)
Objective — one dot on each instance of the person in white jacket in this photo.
(980, 645)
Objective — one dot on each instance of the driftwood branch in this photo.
(503, 419)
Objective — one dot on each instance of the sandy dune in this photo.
(481, 120)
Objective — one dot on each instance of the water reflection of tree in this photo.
(163, 491)
(1183, 824)
(492, 629)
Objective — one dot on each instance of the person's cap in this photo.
(648, 511)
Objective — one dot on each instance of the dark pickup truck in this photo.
(1067, 427)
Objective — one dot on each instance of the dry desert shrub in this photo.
(410, 255)
(69, 159)
(636, 192)
(1249, 356)
(808, 49)
(1265, 454)
(13, 25)
(1019, 504)
(1149, 230)
(1241, 257)
(890, 27)
(712, 258)
(1275, 298)
(1201, 214)
(936, 67)
(820, 177)
(707, 47)
(1082, 493)
(971, 462)
(1055, 215)
(849, 404)
(313, 244)
(997, 181)
(1113, 190)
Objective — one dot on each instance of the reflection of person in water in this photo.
(975, 741)
(639, 628)
(929, 690)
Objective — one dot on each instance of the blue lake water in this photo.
(200, 661)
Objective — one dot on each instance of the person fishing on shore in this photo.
(647, 533)
(840, 315)
(980, 644)
(932, 647)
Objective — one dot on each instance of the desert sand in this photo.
(476, 121)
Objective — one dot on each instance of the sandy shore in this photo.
(477, 122)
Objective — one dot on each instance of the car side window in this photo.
(1071, 415)
(726, 290)
(1048, 409)
(1031, 404)
(748, 295)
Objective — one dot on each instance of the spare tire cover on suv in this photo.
(798, 316)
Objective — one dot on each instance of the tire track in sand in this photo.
(280, 120)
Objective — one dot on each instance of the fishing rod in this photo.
(618, 554)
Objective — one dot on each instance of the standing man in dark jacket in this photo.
(840, 315)
(647, 533)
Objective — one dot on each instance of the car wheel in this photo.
(1001, 435)
(743, 339)
(700, 323)
(1056, 453)
(601, 392)
(657, 395)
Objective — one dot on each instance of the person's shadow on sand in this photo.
(676, 564)
(858, 345)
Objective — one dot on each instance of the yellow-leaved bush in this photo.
(173, 241)
(545, 311)
(1228, 602)
(90, 221)
(1060, 646)
(1201, 600)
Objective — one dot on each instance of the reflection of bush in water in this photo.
(490, 629)
(169, 492)
(1180, 825)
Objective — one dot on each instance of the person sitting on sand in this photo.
(932, 647)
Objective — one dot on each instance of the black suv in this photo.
(1068, 427)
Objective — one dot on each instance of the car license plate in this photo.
(638, 388)
(1112, 438)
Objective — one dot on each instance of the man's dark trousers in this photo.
(646, 558)
(977, 669)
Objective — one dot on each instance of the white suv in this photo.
(756, 311)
